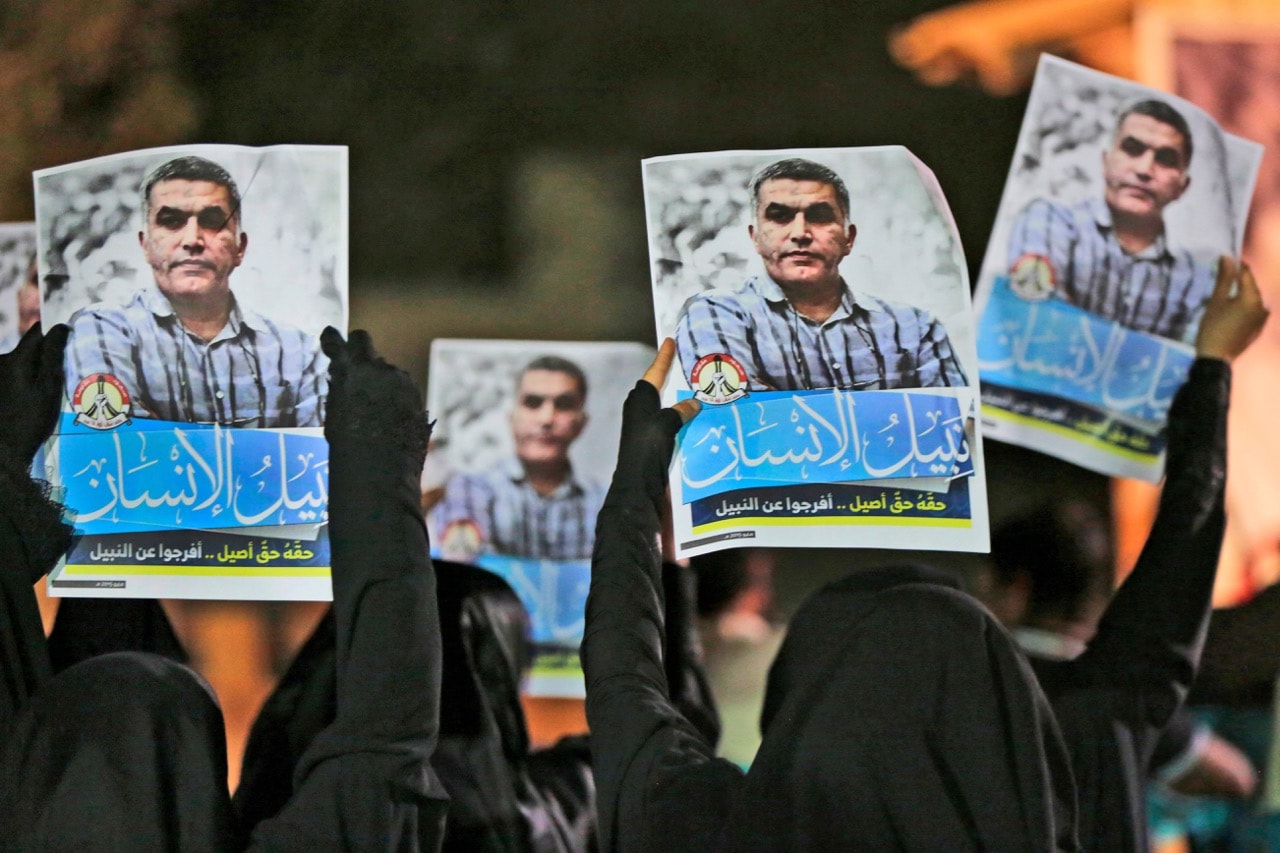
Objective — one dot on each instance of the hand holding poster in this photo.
(525, 442)
(820, 308)
(189, 447)
(1119, 202)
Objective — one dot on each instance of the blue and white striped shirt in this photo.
(255, 373)
(512, 518)
(1161, 291)
(866, 344)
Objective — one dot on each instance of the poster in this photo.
(819, 302)
(524, 447)
(1119, 201)
(19, 291)
(190, 449)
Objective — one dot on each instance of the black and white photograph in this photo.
(19, 286)
(809, 269)
(199, 277)
(1119, 201)
(525, 442)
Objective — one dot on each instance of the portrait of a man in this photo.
(801, 325)
(1110, 255)
(182, 345)
(532, 505)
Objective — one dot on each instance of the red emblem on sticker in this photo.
(718, 378)
(461, 540)
(1032, 278)
(101, 402)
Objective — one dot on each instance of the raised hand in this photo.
(1234, 315)
(371, 399)
(31, 377)
(649, 431)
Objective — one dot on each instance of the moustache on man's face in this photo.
(192, 262)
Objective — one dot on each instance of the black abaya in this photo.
(902, 719)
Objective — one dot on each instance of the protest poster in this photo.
(19, 294)
(524, 447)
(819, 301)
(1118, 203)
(190, 450)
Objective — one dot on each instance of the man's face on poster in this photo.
(1145, 168)
(192, 238)
(548, 416)
(800, 231)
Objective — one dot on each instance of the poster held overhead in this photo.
(525, 441)
(190, 447)
(1119, 201)
(819, 303)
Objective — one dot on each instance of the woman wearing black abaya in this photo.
(125, 751)
(503, 795)
(899, 716)
(1114, 700)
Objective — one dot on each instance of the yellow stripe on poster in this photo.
(200, 571)
(735, 523)
(1068, 432)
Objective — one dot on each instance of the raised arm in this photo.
(32, 534)
(655, 773)
(1151, 634)
(366, 781)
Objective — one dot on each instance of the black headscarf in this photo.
(126, 751)
(88, 627)
(502, 795)
(899, 716)
(122, 752)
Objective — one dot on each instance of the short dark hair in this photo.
(1161, 112)
(556, 364)
(191, 168)
(1066, 551)
(799, 169)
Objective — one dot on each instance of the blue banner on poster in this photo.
(775, 437)
(1086, 422)
(833, 503)
(191, 476)
(553, 591)
(1052, 348)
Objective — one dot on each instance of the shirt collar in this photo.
(1102, 216)
(158, 304)
(515, 472)
(771, 291)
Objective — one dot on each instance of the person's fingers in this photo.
(51, 351)
(656, 375)
(360, 345)
(24, 354)
(1249, 290)
(333, 345)
(687, 409)
(1226, 277)
(669, 421)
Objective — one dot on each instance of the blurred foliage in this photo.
(441, 102)
(80, 78)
